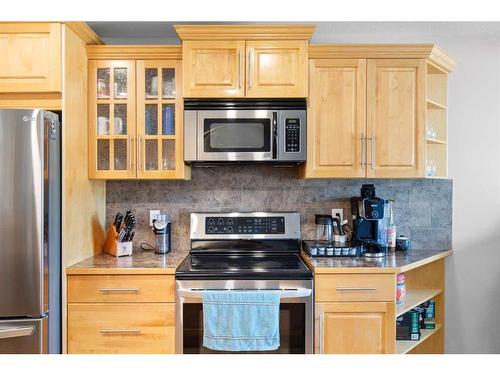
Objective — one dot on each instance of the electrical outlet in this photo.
(339, 211)
(152, 215)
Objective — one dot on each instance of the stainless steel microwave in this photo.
(221, 130)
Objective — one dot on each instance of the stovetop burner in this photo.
(243, 266)
(252, 245)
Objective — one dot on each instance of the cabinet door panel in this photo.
(355, 328)
(213, 69)
(277, 69)
(395, 117)
(336, 118)
(31, 57)
(159, 120)
(111, 119)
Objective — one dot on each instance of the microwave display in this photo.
(237, 135)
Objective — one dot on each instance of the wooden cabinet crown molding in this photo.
(85, 33)
(244, 32)
(380, 51)
(134, 52)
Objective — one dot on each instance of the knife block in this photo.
(115, 248)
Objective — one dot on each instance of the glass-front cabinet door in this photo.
(159, 119)
(112, 119)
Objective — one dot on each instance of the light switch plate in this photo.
(339, 211)
(152, 216)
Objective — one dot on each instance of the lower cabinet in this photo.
(354, 313)
(121, 314)
(121, 328)
(354, 328)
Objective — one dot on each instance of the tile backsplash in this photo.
(423, 208)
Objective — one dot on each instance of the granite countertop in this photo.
(140, 262)
(393, 263)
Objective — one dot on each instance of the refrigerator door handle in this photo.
(9, 332)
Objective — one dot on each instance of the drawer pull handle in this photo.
(120, 331)
(107, 290)
(355, 289)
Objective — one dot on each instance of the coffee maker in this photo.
(369, 216)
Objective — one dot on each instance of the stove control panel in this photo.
(244, 225)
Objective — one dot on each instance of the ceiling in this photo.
(326, 32)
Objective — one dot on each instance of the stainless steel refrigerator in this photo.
(30, 235)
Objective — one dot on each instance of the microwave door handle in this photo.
(274, 137)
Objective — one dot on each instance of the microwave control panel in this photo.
(292, 135)
(245, 225)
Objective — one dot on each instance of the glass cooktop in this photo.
(243, 266)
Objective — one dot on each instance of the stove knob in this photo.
(229, 229)
(211, 221)
(210, 229)
(229, 222)
(220, 221)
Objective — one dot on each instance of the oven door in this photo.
(236, 135)
(296, 314)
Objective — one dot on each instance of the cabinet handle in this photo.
(346, 289)
(321, 333)
(249, 69)
(120, 331)
(373, 152)
(139, 156)
(131, 150)
(239, 69)
(108, 290)
(363, 150)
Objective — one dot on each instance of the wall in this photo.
(422, 210)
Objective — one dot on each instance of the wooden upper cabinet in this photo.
(31, 57)
(112, 131)
(159, 120)
(276, 69)
(336, 118)
(213, 69)
(355, 328)
(395, 117)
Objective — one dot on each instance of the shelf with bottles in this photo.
(406, 346)
(159, 122)
(414, 298)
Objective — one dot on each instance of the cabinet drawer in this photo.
(121, 288)
(355, 287)
(114, 328)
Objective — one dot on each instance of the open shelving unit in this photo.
(422, 284)
(405, 346)
(436, 150)
(414, 298)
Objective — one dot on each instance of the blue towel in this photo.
(241, 321)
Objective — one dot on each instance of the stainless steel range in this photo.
(245, 251)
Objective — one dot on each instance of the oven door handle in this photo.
(284, 293)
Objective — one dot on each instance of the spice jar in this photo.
(400, 288)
